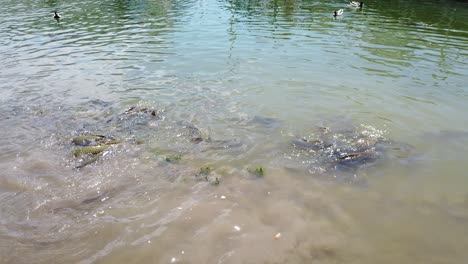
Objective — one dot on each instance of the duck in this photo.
(356, 4)
(338, 12)
(57, 15)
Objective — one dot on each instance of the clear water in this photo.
(253, 75)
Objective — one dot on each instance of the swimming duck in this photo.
(57, 15)
(356, 4)
(338, 12)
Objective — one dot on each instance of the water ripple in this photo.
(213, 64)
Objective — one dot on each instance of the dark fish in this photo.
(192, 131)
(305, 144)
(357, 160)
(266, 121)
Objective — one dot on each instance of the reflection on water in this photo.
(358, 124)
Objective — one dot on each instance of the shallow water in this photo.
(248, 78)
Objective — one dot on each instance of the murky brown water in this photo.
(359, 124)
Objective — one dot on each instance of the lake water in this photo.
(241, 87)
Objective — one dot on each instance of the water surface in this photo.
(251, 77)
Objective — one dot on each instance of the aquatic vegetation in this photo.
(173, 158)
(207, 174)
(204, 171)
(259, 171)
